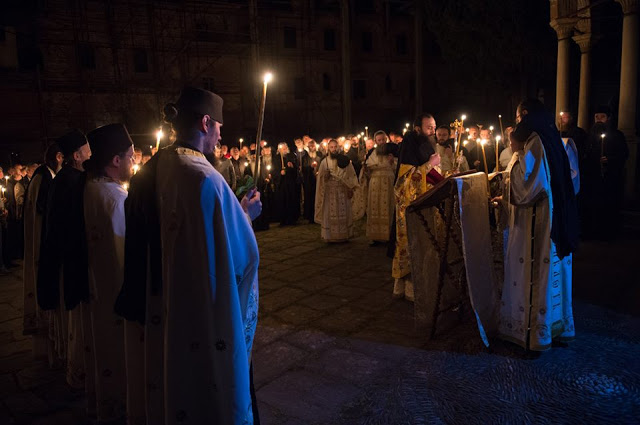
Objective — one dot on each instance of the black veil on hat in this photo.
(71, 141)
(564, 217)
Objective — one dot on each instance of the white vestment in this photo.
(199, 328)
(536, 295)
(105, 230)
(36, 320)
(377, 181)
(333, 200)
(505, 157)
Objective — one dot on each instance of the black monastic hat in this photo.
(108, 141)
(202, 102)
(603, 109)
(71, 141)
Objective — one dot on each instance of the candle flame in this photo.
(463, 117)
(159, 134)
(498, 138)
(407, 125)
(491, 128)
(136, 167)
(483, 142)
(125, 186)
(347, 146)
(268, 167)
(267, 77)
(602, 135)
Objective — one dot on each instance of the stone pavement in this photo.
(332, 347)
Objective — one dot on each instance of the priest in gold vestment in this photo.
(417, 160)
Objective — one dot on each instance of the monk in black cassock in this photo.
(356, 155)
(602, 177)
(288, 186)
(266, 187)
(63, 281)
(315, 158)
(308, 176)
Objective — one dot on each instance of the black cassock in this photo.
(473, 153)
(357, 158)
(602, 185)
(266, 187)
(307, 167)
(64, 244)
(288, 188)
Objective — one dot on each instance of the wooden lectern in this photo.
(446, 255)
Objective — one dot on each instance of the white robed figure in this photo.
(191, 275)
(104, 196)
(536, 296)
(377, 182)
(335, 186)
(36, 320)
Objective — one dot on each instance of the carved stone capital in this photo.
(584, 41)
(563, 27)
(629, 6)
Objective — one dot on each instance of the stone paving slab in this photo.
(333, 347)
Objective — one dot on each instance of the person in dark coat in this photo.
(288, 186)
(602, 177)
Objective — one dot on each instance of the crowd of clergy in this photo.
(141, 267)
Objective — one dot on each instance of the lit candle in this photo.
(3, 190)
(406, 125)
(159, 135)
(136, 167)
(484, 156)
(125, 186)
(266, 79)
(269, 167)
(347, 146)
(561, 123)
(498, 138)
(602, 145)
(241, 140)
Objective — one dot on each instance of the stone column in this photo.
(584, 41)
(629, 88)
(564, 29)
(419, 59)
(345, 46)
